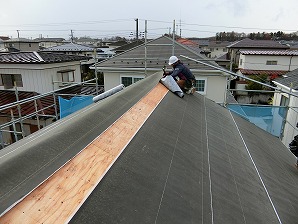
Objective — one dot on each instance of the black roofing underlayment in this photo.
(191, 162)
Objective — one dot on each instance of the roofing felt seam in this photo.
(256, 168)
(44, 204)
(209, 167)
(170, 165)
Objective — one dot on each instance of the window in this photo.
(8, 80)
(240, 62)
(126, 81)
(200, 86)
(66, 76)
(284, 101)
(271, 62)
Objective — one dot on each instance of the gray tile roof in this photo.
(72, 47)
(261, 44)
(37, 57)
(192, 161)
(270, 52)
(158, 52)
(290, 78)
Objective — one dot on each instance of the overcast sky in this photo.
(107, 18)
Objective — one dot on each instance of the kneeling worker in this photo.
(186, 79)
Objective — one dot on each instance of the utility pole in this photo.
(173, 47)
(137, 28)
(95, 70)
(19, 39)
(71, 35)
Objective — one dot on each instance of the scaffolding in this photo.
(15, 121)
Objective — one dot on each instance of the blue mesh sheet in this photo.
(269, 118)
(74, 104)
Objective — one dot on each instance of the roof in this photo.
(270, 52)
(289, 79)
(158, 52)
(265, 44)
(8, 96)
(219, 43)
(190, 161)
(72, 47)
(49, 39)
(187, 42)
(128, 46)
(34, 57)
(24, 40)
(262, 72)
(4, 38)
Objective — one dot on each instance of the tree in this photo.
(251, 85)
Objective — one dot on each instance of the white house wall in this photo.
(215, 84)
(258, 62)
(39, 78)
(290, 129)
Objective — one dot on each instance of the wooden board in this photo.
(59, 197)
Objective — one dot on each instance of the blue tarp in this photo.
(74, 104)
(269, 118)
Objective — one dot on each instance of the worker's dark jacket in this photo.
(182, 72)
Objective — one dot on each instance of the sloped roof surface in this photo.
(192, 161)
(248, 43)
(70, 47)
(158, 53)
(262, 72)
(290, 78)
(38, 57)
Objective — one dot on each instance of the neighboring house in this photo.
(131, 66)
(248, 44)
(49, 42)
(40, 72)
(288, 83)
(104, 53)
(72, 48)
(145, 155)
(223, 61)
(218, 48)
(22, 44)
(272, 63)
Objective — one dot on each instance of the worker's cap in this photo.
(173, 60)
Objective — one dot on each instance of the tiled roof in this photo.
(266, 44)
(38, 57)
(72, 47)
(219, 43)
(262, 72)
(270, 52)
(127, 46)
(187, 42)
(271, 74)
(8, 96)
(23, 40)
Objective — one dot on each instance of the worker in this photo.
(294, 148)
(183, 76)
